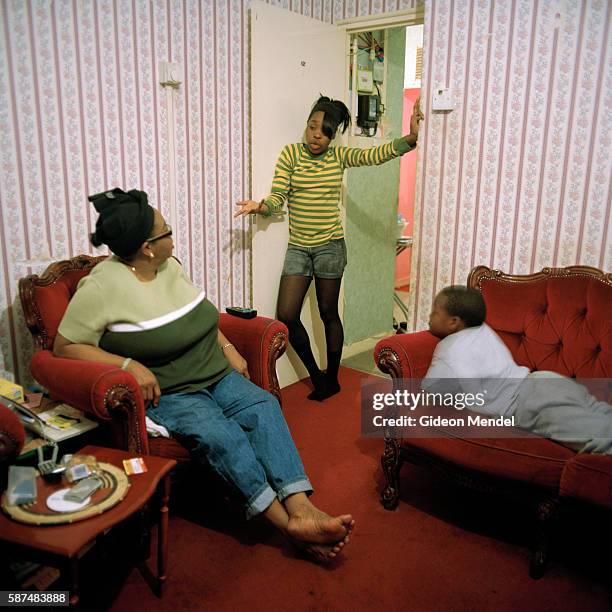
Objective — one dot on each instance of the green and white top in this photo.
(311, 186)
(166, 324)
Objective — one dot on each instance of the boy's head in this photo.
(455, 308)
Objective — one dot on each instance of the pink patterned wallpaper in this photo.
(518, 176)
(81, 110)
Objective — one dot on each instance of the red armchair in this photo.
(557, 319)
(108, 393)
(12, 437)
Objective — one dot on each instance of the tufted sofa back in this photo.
(558, 319)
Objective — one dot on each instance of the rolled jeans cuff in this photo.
(261, 500)
(299, 486)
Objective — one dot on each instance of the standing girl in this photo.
(308, 176)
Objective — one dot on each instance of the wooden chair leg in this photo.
(547, 512)
(391, 464)
(162, 536)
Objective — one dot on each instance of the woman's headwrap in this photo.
(125, 221)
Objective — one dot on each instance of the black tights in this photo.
(291, 294)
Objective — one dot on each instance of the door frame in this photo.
(382, 21)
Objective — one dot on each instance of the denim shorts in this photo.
(323, 261)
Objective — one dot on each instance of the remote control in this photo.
(83, 490)
(243, 313)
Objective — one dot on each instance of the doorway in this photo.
(407, 185)
(315, 59)
(377, 196)
(391, 194)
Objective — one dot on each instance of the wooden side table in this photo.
(67, 544)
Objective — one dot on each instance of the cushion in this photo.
(559, 323)
(170, 448)
(588, 478)
(531, 460)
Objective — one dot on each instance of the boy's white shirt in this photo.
(474, 354)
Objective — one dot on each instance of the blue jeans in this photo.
(240, 431)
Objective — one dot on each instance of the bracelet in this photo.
(126, 363)
(226, 345)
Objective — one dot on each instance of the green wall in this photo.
(371, 220)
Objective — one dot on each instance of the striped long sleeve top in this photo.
(311, 184)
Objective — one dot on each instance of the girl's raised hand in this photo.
(415, 119)
(247, 207)
(417, 116)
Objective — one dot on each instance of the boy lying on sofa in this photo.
(546, 403)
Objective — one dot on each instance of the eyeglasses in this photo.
(166, 232)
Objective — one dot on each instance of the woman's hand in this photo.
(63, 347)
(415, 118)
(237, 361)
(248, 207)
(147, 381)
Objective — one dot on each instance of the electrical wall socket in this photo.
(442, 99)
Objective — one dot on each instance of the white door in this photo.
(293, 60)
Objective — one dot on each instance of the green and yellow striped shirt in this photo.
(311, 186)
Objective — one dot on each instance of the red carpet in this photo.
(442, 549)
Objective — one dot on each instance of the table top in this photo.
(68, 540)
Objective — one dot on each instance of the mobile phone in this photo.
(243, 313)
(83, 489)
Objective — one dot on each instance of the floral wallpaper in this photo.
(517, 176)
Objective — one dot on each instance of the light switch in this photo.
(442, 99)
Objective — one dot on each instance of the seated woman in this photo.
(139, 311)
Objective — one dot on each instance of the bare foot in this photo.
(309, 524)
(320, 552)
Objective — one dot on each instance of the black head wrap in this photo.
(335, 113)
(125, 220)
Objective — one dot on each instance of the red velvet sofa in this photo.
(111, 394)
(558, 319)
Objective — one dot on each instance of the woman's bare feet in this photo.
(320, 552)
(309, 524)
